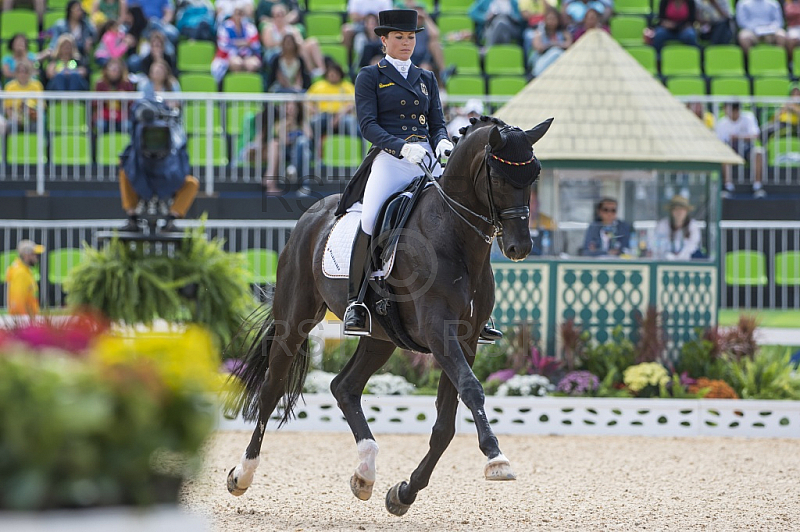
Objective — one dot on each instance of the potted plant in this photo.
(93, 419)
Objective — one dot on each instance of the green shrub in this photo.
(768, 375)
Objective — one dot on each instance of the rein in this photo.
(495, 218)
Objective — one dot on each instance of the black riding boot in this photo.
(489, 335)
(356, 317)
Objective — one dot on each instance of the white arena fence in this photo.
(65, 142)
(757, 283)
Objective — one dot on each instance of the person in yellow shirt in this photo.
(22, 113)
(335, 116)
(21, 286)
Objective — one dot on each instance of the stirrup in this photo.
(367, 330)
(489, 335)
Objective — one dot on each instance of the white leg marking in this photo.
(243, 473)
(367, 451)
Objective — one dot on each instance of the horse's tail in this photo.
(255, 340)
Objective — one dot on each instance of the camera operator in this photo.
(155, 164)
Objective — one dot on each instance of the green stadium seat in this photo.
(464, 56)
(325, 27)
(196, 146)
(686, 86)
(19, 21)
(645, 56)
(332, 6)
(745, 268)
(767, 60)
(109, 147)
(237, 113)
(506, 85)
(23, 148)
(730, 87)
(60, 262)
(454, 6)
(57, 5)
(796, 62)
(449, 23)
(94, 77)
(243, 82)
(783, 152)
(724, 60)
(342, 151)
(770, 87)
(633, 7)
(337, 52)
(67, 117)
(51, 17)
(787, 268)
(680, 60)
(262, 265)
(463, 85)
(194, 117)
(195, 56)
(627, 30)
(198, 83)
(505, 59)
(71, 149)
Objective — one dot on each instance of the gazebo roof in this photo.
(608, 108)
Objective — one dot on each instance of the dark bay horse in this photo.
(444, 288)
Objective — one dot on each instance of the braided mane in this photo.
(477, 123)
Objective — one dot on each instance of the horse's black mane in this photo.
(477, 123)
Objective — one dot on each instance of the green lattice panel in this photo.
(600, 296)
(687, 297)
(521, 295)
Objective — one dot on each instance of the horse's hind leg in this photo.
(347, 388)
(401, 495)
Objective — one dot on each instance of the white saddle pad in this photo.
(336, 261)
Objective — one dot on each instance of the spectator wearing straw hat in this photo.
(677, 237)
(21, 287)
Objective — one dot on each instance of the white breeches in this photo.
(389, 175)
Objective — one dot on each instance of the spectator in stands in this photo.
(114, 43)
(788, 116)
(287, 71)
(113, 115)
(575, 11)
(676, 20)
(497, 21)
(739, 129)
(21, 287)
(21, 114)
(159, 15)
(607, 235)
(102, 11)
(161, 79)
(38, 6)
(591, 20)
(356, 11)
(473, 108)
(367, 44)
(76, 24)
(677, 237)
(293, 134)
(195, 19)
(226, 8)
(238, 47)
(332, 116)
(19, 49)
(264, 11)
(700, 111)
(759, 21)
(791, 11)
(428, 52)
(550, 40)
(155, 50)
(66, 69)
(274, 30)
(715, 23)
(533, 11)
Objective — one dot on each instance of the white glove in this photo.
(443, 146)
(413, 153)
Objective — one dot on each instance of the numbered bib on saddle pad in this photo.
(338, 247)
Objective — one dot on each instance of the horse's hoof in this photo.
(393, 503)
(233, 489)
(361, 488)
(499, 468)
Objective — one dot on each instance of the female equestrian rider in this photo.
(399, 111)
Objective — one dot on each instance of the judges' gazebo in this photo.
(617, 131)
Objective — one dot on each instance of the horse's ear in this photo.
(495, 139)
(538, 131)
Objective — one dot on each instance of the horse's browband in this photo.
(493, 156)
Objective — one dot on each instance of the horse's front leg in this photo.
(347, 388)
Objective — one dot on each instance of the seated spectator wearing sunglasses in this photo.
(606, 235)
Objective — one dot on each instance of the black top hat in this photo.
(397, 20)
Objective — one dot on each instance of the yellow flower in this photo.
(646, 374)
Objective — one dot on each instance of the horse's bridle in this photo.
(495, 217)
